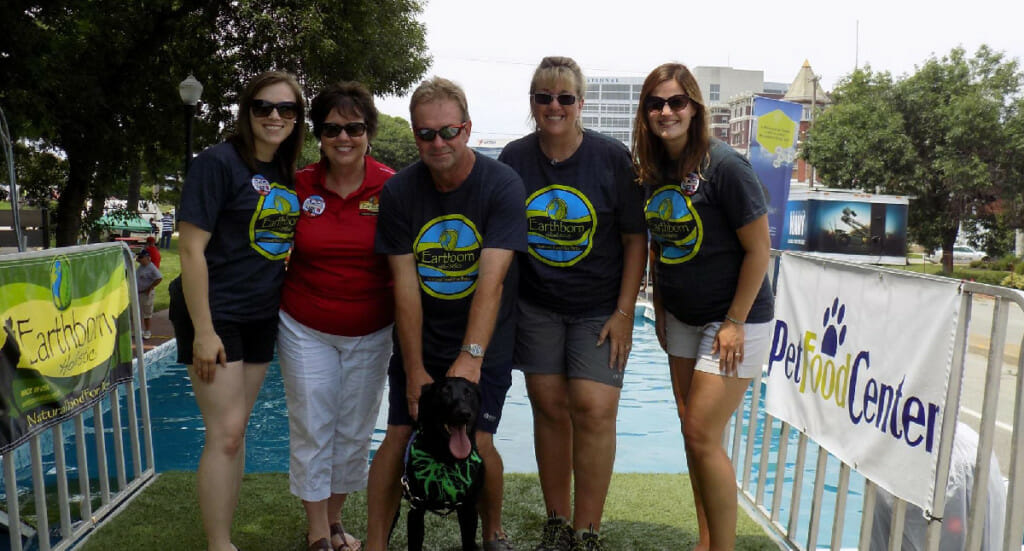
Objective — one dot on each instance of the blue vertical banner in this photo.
(772, 154)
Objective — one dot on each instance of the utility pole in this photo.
(814, 107)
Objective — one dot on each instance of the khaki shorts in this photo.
(694, 341)
(146, 304)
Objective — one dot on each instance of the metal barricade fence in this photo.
(779, 472)
(108, 432)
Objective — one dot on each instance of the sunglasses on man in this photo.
(446, 132)
(677, 102)
(333, 130)
(285, 109)
(543, 98)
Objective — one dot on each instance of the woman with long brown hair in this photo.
(236, 221)
(707, 215)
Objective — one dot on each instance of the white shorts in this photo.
(333, 386)
(694, 341)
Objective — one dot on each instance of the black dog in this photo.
(443, 471)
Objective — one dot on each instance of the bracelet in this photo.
(734, 320)
(623, 312)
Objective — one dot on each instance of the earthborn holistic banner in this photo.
(66, 337)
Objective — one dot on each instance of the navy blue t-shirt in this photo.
(576, 211)
(697, 251)
(446, 232)
(251, 219)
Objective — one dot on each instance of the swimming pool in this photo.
(649, 439)
(647, 419)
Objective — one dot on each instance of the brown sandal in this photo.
(320, 545)
(338, 530)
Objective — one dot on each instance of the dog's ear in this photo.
(427, 392)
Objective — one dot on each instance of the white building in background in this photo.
(611, 102)
(718, 84)
(610, 106)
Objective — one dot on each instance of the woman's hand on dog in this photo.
(414, 381)
(619, 329)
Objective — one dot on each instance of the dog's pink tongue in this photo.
(459, 444)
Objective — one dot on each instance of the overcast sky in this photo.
(491, 47)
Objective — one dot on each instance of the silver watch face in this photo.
(474, 350)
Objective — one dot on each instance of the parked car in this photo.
(962, 254)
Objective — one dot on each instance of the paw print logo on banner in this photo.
(835, 330)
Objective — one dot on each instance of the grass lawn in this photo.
(648, 512)
(960, 271)
(170, 266)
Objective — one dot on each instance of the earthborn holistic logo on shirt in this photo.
(448, 257)
(561, 224)
(273, 222)
(674, 224)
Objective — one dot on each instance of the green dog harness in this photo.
(435, 485)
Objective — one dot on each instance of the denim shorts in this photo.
(694, 341)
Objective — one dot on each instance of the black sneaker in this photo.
(588, 540)
(557, 535)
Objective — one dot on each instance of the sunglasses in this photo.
(542, 98)
(677, 102)
(286, 109)
(446, 132)
(353, 129)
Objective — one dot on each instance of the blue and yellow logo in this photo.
(674, 224)
(60, 282)
(448, 257)
(561, 224)
(273, 222)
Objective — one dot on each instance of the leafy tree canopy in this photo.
(394, 144)
(97, 79)
(950, 136)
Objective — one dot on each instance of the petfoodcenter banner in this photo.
(860, 363)
(66, 337)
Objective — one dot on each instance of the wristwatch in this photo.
(474, 350)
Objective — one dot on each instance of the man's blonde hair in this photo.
(438, 89)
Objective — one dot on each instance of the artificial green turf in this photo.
(646, 512)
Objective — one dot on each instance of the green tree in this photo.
(97, 79)
(394, 144)
(940, 135)
(39, 173)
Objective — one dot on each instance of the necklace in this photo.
(569, 151)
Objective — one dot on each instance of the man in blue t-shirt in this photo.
(450, 225)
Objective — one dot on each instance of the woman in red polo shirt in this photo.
(337, 312)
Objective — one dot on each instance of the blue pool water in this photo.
(649, 440)
(647, 419)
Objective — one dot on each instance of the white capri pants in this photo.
(333, 386)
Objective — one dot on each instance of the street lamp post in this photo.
(190, 90)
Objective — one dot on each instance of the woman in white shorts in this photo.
(707, 215)
(337, 313)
